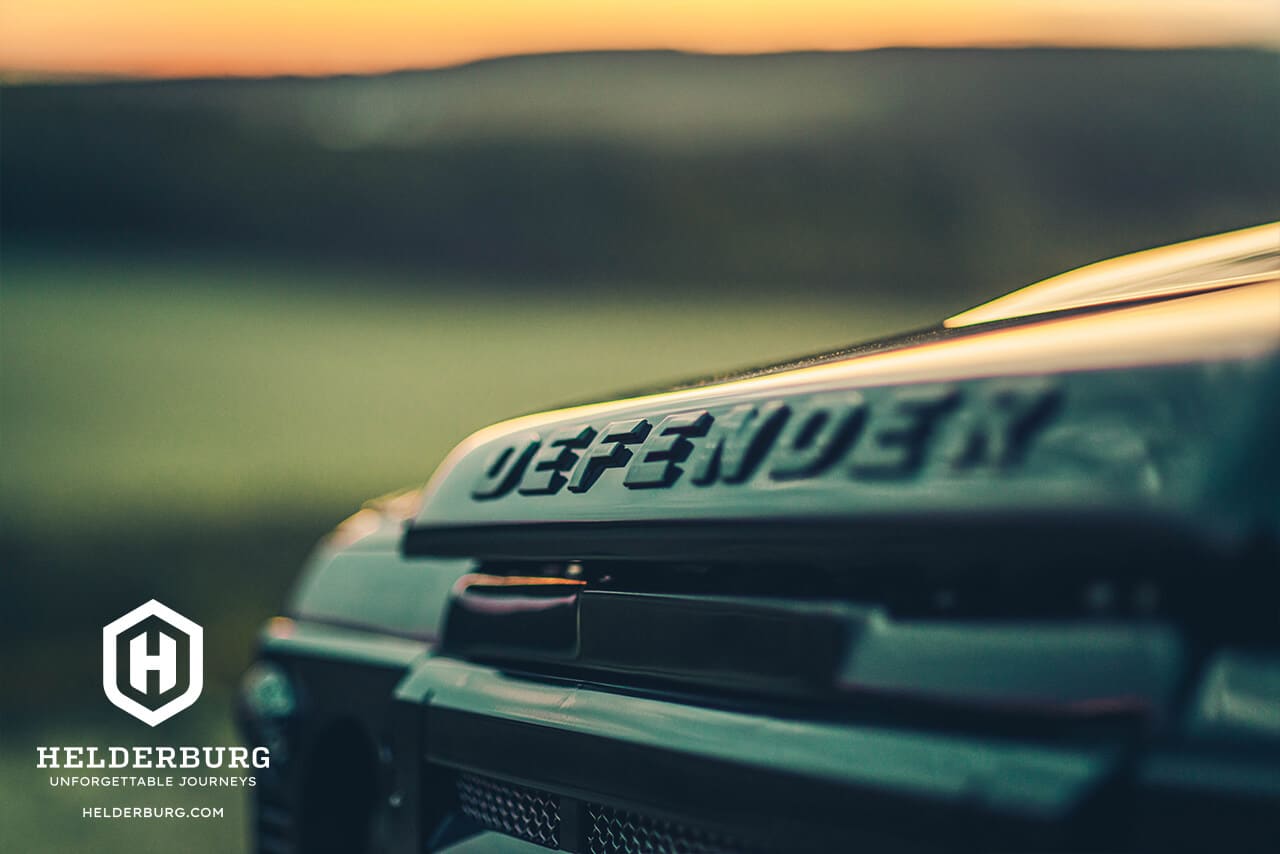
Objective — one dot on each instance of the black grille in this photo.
(518, 811)
(616, 831)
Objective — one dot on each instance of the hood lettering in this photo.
(892, 438)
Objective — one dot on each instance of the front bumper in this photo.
(573, 767)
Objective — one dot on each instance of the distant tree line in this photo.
(977, 170)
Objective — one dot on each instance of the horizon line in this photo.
(17, 76)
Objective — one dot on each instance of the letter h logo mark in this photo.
(152, 662)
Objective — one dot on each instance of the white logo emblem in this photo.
(152, 662)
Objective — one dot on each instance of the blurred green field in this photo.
(145, 391)
(186, 429)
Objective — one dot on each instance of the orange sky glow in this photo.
(252, 37)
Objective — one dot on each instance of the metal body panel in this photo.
(835, 442)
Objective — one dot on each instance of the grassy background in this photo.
(232, 310)
(252, 389)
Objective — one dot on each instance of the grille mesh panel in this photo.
(518, 811)
(615, 831)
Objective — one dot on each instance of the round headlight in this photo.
(267, 692)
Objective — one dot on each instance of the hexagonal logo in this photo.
(152, 662)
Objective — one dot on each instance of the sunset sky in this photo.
(252, 37)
